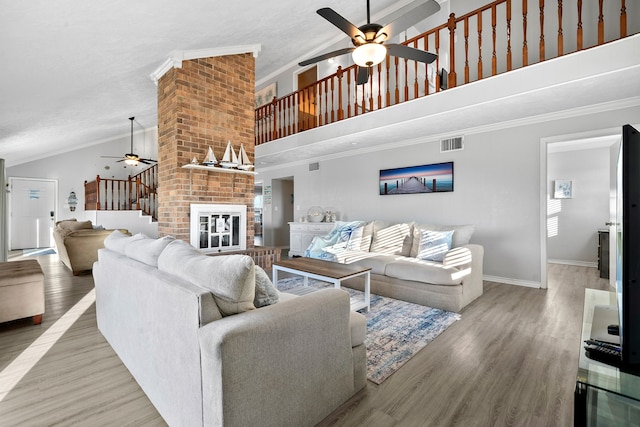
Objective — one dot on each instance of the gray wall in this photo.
(572, 235)
(497, 188)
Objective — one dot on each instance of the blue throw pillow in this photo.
(434, 245)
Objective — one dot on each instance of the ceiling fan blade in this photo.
(336, 19)
(410, 53)
(363, 75)
(326, 56)
(409, 19)
(110, 157)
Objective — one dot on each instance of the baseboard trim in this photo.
(573, 262)
(510, 281)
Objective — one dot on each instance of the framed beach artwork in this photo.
(563, 189)
(265, 95)
(434, 178)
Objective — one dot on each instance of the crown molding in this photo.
(177, 56)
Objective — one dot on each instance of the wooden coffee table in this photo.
(326, 271)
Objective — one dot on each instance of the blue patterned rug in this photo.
(396, 330)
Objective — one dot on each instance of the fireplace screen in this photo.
(220, 227)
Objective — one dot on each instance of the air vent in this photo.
(314, 166)
(452, 144)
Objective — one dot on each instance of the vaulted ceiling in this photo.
(73, 71)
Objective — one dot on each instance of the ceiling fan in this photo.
(131, 158)
(368, 40)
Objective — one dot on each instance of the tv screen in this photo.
(628, 245)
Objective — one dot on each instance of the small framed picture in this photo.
(563, 189)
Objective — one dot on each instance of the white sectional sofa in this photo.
(427, 264)
(187, 328)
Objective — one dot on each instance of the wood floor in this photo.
(510, 361)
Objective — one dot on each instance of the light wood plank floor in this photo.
(510, 361)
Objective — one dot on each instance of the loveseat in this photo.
(187, 328)
(77, 243)
(427, 264)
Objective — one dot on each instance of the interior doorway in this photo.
(32, 212)
(590, 172)
(281, 211)
(258, 239)
(307, 110)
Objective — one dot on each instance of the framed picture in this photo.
(434, 178)
(265, 95)
(563, 189)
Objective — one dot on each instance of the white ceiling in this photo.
(73, 71)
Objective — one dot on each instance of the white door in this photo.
(32, 204)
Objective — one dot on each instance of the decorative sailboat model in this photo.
(243, 160)
(229, 159)
(210, 158)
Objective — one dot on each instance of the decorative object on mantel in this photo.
(330, 214)
(210, 158)
(194, 161)
(229, 159)
(243, 160)
(315, 214)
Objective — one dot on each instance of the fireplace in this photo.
(218, 228)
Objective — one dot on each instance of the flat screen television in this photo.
(628, 246)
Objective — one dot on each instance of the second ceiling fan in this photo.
(368, 40)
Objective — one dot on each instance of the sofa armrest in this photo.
(469, 257)
(263, 367)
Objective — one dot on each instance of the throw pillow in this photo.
(266, 293)
(117, 241)
(147, 251)
(461, 234)
(231, 279)
(434, 245)
(390, 240)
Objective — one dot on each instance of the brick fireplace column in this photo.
(207, 102)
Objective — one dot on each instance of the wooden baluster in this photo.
(600, 23)
(326, 104)
(379, 86)
(363, 105)
(623, 19)
(340, 109)
(579, 35)
(141, 193)
(97, 192)
(397, 90)
(541, 3)
(112, 194)
(525, 48)
(466, 50)
(387, 74)
(406, 79)
(280, 119)
(349, 91)
(479, 19)
(438, 61)
(426, 67)
(371, 91)
(416, 86)
(560, 35)
(509, 62)
(451, 25)
(494, 58)
(274, 122)
(332, 99)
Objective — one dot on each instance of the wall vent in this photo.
(452, 144)
(314, 166)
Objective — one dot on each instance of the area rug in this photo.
(38, 252)
(396, 330)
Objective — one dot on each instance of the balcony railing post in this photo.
(273, 108)
(97, 192)
(340, 109)
(451, 24)
(623, 19)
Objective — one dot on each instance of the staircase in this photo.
(137, 193)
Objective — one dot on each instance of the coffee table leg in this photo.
(367, 290)
(274, 274)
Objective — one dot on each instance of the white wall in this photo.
(572, 235)
(497, 188)
(73, 168)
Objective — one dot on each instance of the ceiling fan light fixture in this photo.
(369, 54)
(131, 162)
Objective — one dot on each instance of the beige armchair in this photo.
(77, 243)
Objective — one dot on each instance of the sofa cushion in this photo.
(393, 240)
(376, 262)
(434, 245)
(118, 241)
(423, 271)
(230, 278)
(461, 235)
(266, 293)
(147, 250)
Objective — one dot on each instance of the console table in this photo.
(604, 396)
(302, 233)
